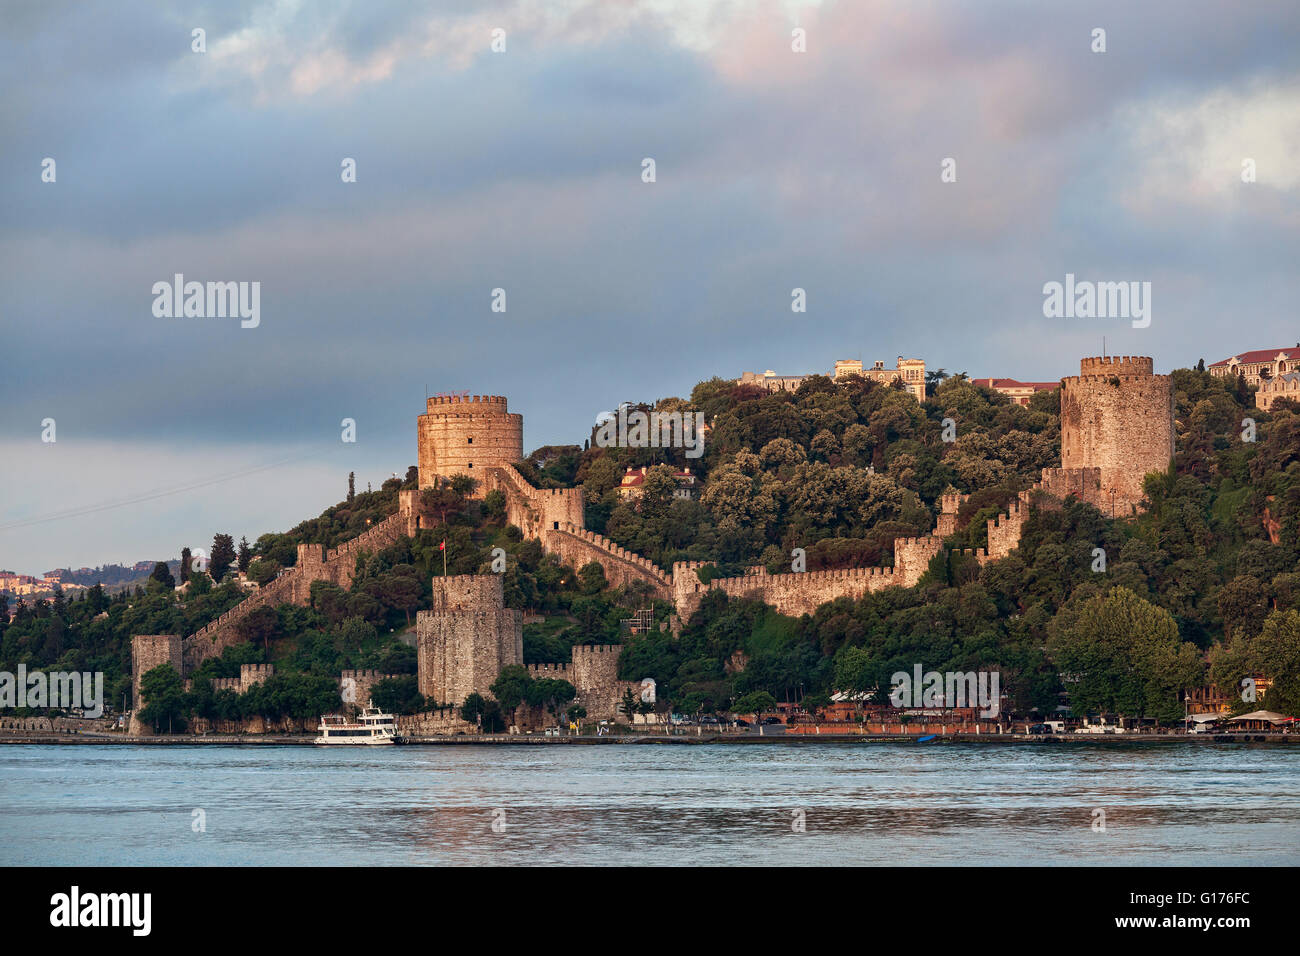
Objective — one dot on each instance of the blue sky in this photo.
(522, 170)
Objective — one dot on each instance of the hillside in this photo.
(1209, 573)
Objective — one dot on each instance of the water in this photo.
(707, 804)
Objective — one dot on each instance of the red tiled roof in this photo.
(1012, 383)
(1258, 355)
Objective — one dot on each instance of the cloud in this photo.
(522, 170)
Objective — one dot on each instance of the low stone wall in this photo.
(255, 725)
(434, 723)
(58, 725)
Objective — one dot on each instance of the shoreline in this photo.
(288, 740)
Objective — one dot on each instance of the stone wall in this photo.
(467, 638)
(949, 505)
(442, 722)
(58, 725)
(253, 726)
(536, 510)
(794, 593)
(467, 436)
(575, 547)
(356, 687)
(1004, 530)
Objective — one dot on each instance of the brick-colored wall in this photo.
(576, 547)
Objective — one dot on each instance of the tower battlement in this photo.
(1117, 365)
(442, 403)
(467, 435)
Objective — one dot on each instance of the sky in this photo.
(521, 169)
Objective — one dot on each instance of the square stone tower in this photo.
(468, 636)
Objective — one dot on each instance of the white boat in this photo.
(372, 727)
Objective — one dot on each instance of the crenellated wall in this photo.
(441, 722)
(949, 505)
(293, 585)
(356, 686)
(1005, 529)
(803, 592)
(535, 510)
(575, 547)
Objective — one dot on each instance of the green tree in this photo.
(486, 713)
(1123, 655)
(222, 556)
(163, 700)
(245, 555)
(627, 704)
(755, 702)
(511, 686)
(163, 575)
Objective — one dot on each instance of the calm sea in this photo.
(811, 804)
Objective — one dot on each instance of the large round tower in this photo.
(467, 435)
(1118, 416)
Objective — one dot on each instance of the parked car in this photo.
(741, 723)
(773, 720)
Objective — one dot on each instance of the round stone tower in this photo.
(1117, 416)
(465, 436)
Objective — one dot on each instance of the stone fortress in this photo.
(1116, 427)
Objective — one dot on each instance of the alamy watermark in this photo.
(58, 689)
(638, 429)
(954, 689)
(214, 300)
(1098, 300)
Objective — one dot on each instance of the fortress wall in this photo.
(794, 593)
(293, 586)
(356, 686)
(443, 722)
(252, 674)
(536, 510)
(1004, 530)
(949, 505)
(912, 558)
(550, 672)
(576, 547)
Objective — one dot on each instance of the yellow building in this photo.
(911, 372)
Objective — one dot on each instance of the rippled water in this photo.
(706, 804)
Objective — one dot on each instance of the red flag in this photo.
(443, 546)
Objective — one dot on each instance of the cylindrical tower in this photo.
(1118, 416)
(466, 435)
